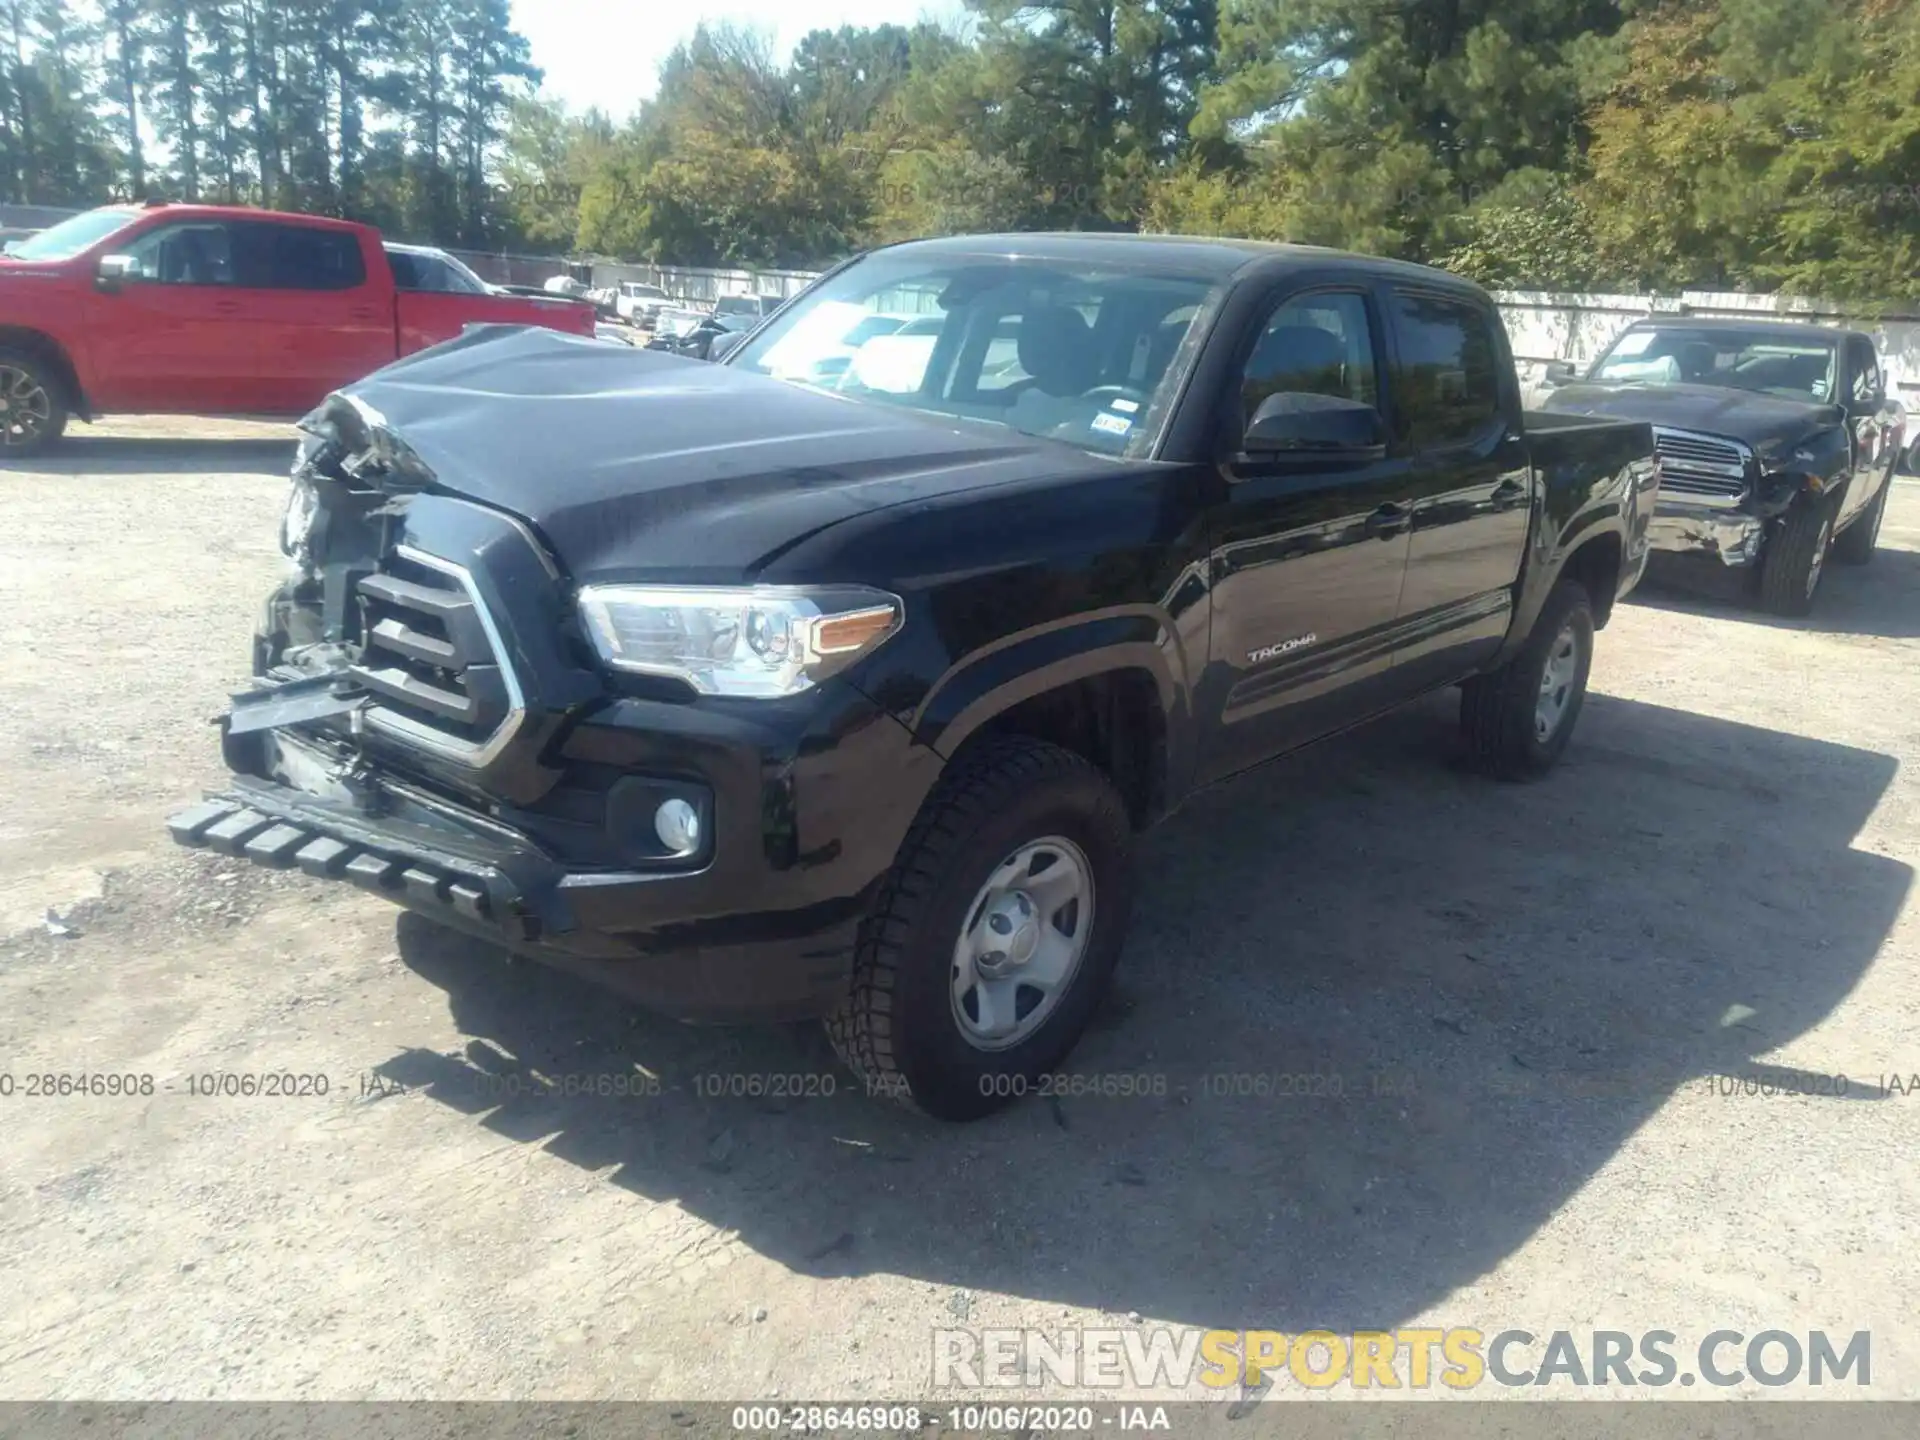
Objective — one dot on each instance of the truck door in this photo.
(1456, 407)
(1876, 427)
(323, 317)
(1307, 557)
(176, 334)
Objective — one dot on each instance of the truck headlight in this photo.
(762, 641)
(296, 526)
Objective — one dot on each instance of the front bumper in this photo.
(1731, 536)
(806, 823)
(508, 895)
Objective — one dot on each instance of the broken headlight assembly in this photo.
(761, 641)
(296, 526)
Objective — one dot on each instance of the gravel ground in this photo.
(1521, 996)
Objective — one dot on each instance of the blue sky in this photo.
(605, 53)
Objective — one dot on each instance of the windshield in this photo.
(71, 236)
(1763, 361)
(1056, 349)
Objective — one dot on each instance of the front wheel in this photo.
(33, 407)
(994, 935)
(1795, 556)
(1518, 719)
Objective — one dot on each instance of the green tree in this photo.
(127, 69)
(1380, 125)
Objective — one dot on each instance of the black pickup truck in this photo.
(1778, 442)
(758, 697)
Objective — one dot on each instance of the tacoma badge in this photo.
(1273, 652)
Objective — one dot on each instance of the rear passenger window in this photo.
(297, 257)
(1448, 389)
(1313, 345)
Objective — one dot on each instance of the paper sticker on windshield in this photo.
(1125, 407)
(1634, 342)
(1112, 424)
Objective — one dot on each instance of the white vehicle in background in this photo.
(756, 306)
(894, 364)
(566, 285)
(639, 303)
(427, 267)
(819, 350)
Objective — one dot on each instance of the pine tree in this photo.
(126, 62)
(175, 92)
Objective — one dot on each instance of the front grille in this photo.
(1701, 468)
(430, 659)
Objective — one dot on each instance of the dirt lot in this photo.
(1520, 993)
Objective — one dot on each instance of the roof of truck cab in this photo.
(1779, 329)
(1218, 257)
(242, 212)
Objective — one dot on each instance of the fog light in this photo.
(678, 825)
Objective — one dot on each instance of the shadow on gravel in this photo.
(1882, 598)
(1389, 1018)
(160, 455)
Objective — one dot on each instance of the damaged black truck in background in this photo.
(1778, 442)
(837, 682)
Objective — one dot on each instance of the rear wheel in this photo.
(33, 407)
(1518, 719)
(1795, 557)
(1856, 543)
(994, 935)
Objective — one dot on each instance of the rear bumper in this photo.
(502, 890)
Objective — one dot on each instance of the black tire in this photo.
(1855, 544)
(896, 1027)
(1500, 711)
(1795, 557)
(29, 382)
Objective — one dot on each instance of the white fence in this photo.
(701, 286)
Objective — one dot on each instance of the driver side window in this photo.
(193, 253)
(1866, 374)
(1313, 344)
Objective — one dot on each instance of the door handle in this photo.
(226, 307)
(1508, 494)
(1389, 520)
(366, 313)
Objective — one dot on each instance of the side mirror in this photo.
(1559, 372)
(725, 345)
(114, 271)
(1296, 426)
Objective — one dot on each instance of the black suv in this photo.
(1777, 442)
(837, 681)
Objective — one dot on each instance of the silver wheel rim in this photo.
(25, 407)
(1819, 555)
(1021, 943)
(1556, 683)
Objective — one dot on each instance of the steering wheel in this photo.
(1105, 395)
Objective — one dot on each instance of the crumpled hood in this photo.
(634, 464)
(1765, 422)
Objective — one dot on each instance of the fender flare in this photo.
(27, 337)
(1016, 668)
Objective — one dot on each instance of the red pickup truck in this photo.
(213, 310)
